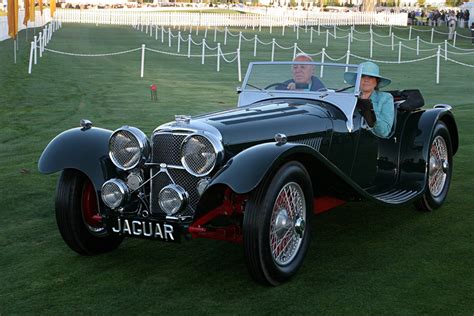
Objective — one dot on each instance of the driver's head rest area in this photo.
(407, 100)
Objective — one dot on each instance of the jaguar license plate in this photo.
(149, 229)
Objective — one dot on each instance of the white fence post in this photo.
(179, 41)
(335, 36)
(239, 65)
(409, 34)
(393, 42)
(371, 43)
(169, 37)
(36, 49)
(203, 50)
(30, 65)
(162, 34)
(273, 49)
(297, 33)
(240, 39)
(225, 36)
(445, 50)
(255, 46)
(399, 51)
(311, 35)
(294, 50)
(454, 39)
(283, 30)
(349, 43)
(323, 53)
(347, 59)
(432, 34)
(215, 34)
(327, 38)
(189, 45)
(417, 45)
(205, 33)
(218, 59)
(437, 64)
(156, 32)
(143, 61)
(40, 39)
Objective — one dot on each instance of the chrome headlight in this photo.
(173, 198)
(199, 154)
(115, 193)
(128, 146)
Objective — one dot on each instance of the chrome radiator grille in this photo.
(166, 149)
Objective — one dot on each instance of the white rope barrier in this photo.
(459, 63)
(92, 55)
(40, 41)
(336, 59)
(392, 62)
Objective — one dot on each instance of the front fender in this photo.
(245, 171)
(83, 149)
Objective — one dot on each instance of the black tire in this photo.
(435, 195)
(82, 237)
(257, 223)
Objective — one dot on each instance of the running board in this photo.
(397, 196)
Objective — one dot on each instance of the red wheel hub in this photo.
(90, 210)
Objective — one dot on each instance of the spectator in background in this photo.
(451, 25)
(466, 18)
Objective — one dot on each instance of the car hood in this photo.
(257, 123)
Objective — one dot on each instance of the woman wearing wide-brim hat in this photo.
(376, 106)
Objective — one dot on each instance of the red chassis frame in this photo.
(236, 204)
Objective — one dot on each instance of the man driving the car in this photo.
(303, 76)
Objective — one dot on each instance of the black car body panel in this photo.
(86, 150)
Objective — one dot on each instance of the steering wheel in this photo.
(276, 84)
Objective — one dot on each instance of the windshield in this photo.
(298, 77)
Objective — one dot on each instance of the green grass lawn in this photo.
(364, 258)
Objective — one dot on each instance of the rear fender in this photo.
(83, 149)
(416, 142)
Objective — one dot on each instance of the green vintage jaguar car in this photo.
(252, 175)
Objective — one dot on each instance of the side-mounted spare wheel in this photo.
(276, 225)
(440, 169)
(77, 215)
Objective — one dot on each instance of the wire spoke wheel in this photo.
(439, 170)
(287, 223)
(276, 225)
(438, 166)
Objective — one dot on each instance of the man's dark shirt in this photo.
(316, 84)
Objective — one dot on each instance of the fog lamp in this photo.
(172, 199)
(114, 193)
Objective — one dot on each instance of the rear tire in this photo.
(440, 169)
(78, 217)
(277, 226)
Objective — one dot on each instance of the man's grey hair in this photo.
(309, 58)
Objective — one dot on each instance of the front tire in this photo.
(440, 169)
(276, 225)
(78, 218)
